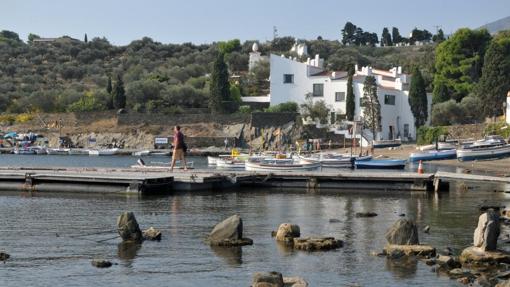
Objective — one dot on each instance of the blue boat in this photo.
(380, 164)
(433, 155)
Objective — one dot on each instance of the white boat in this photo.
(31, 150)
(160, 153)
(334, 160)
(57, 151)
(78, 151)
(483, 152)
(433, 155)
(213, 160)
(141, 153)
(229, 163)
(281, 165)
(102, 152)
(440, 146)
(386, 143)
(140, 164)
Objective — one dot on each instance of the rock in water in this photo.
(366, 214)
(267, 279)
(4, 256)
(403, 232)
(152, 234)
(487, 232)
(229, 232)
(101, 263)
(294, 282)
(128, 228)
(287, 232)
(317, 243)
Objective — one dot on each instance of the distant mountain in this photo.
(498, 25)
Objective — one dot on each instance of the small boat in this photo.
(481, 151)
(24, 151)
(433, 155)
(228, 163)
(440, 146)
(386, 143)
(380, 164)
(102, 152)
(140, 164)
(141, 153)
(213, 160)
(334, 161)
(159, 153)
(78, 151)
(281, 165)
(57, 151)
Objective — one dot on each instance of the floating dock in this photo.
(149, 181)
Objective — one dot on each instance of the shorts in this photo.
(178, 154)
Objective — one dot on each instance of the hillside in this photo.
(65, 74)
(498, 25)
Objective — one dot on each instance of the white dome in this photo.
(255, 47)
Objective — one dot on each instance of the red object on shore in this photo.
(420, 168)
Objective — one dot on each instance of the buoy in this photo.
(420, 168)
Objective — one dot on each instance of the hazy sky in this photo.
(172, 21)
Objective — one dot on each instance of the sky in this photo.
(206, 21)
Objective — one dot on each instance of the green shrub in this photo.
(245, 109)
(428, 135)
(499, 128)
(289, 107)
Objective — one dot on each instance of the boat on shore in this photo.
(104, 152)
(439, 146)
(433, 155)
(484, 152)
(281, 165)
(386, 143)
(380, 164)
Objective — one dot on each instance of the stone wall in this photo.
(133, 118)
(474, 131)
(266, 120)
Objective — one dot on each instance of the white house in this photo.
(507, 112)
(255, 56)
(291, 80)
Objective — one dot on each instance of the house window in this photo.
(318, 90)
(340, 97)
(288, 78)
(406, 130)
(389, 100)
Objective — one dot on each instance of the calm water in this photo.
(30, 225)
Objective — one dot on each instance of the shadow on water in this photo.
(284, 248)
(233, 256)
(127, 251)
(402, 268)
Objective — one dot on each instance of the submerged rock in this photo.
(487, 232)
(393, 250)
(4, 256)
(229, 232)
(334, 220)
(426, 229)
(101, 263)
(403, 232)
(267, 279)
(128, 228)
(366, 214)
(287, 232)
(448, 262)
(317, 243)
(152, 234)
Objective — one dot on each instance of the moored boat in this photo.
(334, 161)
(57, 151)
(483, 152)
(78, 151)
(387, 143)
(102, 152)
(229, 163)
(281, 165)
(433, 155)
(141, 153)
(440, 146)
(380, 164)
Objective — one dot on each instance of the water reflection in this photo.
(128, 250)
(284, 248)
(233, 256)
(402, 268)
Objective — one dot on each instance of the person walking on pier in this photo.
(179, 148)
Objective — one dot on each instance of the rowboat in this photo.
(334, 161)
(107, 151)
(386, 143)
(281, 165)
(440, 146)
(380, 164)
(57, 151)
(433, 155)
(229, 163)
(483, 152)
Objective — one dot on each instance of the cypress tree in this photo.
(395, 35)
(220, 86)
(386, 38)
(119, 94)
(418, 98)
(371, 105)
(350, 104)
(494, 83)
(109, 90)
(85, 39)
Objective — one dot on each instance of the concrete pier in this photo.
(148, 181)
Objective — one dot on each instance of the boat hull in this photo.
(253, 166)
(380, 164)
(484, 153)
(433, 155)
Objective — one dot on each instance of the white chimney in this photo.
(356, 68)
(333, 75)
(399, 70)
(317, 60)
